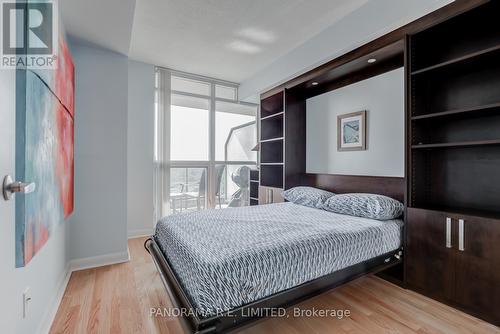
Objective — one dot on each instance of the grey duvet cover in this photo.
(231, 257)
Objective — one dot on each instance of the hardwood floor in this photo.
(118, 299)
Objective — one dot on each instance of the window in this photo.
(225, 92)
(189, 125)
(203, 143)
(186, 85)
(235, 131)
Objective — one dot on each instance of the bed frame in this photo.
(245, 314)
(230, 320)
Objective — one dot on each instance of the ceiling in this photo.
(225, 39)
(228, 39)
(105, 23)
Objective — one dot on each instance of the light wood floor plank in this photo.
(117, 299)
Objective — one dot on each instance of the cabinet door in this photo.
(268, 195)
(430, 266)
(478, 268)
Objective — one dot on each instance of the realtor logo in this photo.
(29, 37)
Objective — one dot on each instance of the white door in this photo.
(9, 305)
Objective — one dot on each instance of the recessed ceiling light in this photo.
(244, 47)
(257, 35)
(314, 83)
(371, 60)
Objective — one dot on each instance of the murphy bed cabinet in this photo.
(453, 167)
(282, 116)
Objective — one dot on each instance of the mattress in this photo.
(228, 258)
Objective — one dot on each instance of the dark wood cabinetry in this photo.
(453, 215)
(272, 142)
(454, 114)
(478, 268)
(452, 237)
(254, 187)
(455, 258)
(282, 140)
(430, 264)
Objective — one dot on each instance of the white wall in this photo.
(365, 24)
(140, 141)
(45, 273)
(98, 226)
(383, 99)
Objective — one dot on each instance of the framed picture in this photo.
(351, 131)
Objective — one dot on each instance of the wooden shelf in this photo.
(487, 107)
(271, 116)
(458, 144)
(460, 211)
(272, 127)
(272, 139)
(457, 60)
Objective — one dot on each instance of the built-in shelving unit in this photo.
(456, 40)
(468, 57)
(272, 141)
(452, 148)
(282, 139)
(453, 214)
(455, 113)
(477, 111)
(271, 152)
(458, 144)
(254, 187)
(272, 128)
(273, 105)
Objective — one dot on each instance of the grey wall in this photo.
(98, 225)
(372, 20)
(140, 141)
(383, 98)
(45, 273)
(105, 135)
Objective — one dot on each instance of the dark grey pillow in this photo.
(365, 205)
(307, 196)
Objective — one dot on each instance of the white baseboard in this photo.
(53, 306)
(145, 232)
(99, 261)
(75, 265)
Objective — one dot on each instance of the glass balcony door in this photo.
(203, 144)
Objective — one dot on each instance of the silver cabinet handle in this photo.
(461, 235)
(270, 194)
(448, 232)
(10, 187)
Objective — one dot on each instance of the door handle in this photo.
(10, 187)
(461, 235)
(448, 232)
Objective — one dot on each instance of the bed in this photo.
(223, 265)
(228, 258)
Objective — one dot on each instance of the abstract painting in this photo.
(351, 131)
(44, 152)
